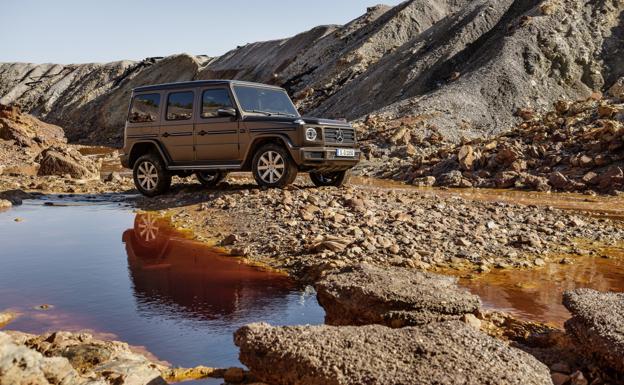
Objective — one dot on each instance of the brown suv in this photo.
(212, 127)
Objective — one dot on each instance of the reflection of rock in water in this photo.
(176, 276)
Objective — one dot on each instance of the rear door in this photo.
(216, 137)
(176, 130)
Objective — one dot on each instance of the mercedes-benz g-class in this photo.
(212, 127)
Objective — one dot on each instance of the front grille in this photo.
(332, 135)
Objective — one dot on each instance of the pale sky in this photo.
(80, 31)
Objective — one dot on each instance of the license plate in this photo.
(345, 152)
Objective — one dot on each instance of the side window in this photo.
(144, 108)
(214, 99)
(180, 105)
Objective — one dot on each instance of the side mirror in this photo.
(227, 112)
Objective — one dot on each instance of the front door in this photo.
(176, 132)
(216, 137)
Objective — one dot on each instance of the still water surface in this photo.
(105, 269)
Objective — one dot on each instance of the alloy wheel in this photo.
(271, 167)
(147, 175)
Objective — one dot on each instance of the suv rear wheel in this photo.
(273, 167)
(210, 178)
(336, 178)
(151, 177)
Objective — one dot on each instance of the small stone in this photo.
(427, 181)
(5, 204)
(607, 111)
(466, 157)
(113, 177)
(230, 240)
(559, 378)
(18, 220)
(471, 320)
(234, 375)
(45, 306)
(577, 378)
(539, 262)
(394, 249)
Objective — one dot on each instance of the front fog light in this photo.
(311, 134)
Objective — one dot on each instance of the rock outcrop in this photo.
(31, 147)
(66, 161)
(394, 297)
(440, 353)
(63, 358)
(458, 67)
(597, 324)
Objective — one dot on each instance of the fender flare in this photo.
(161, 150)
(283, 138)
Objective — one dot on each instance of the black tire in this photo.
(272, 166)
(210, 178)
(150, 169)
(336, 178)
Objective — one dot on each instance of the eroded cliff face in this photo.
(464, 67)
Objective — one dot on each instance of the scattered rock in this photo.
(442, 353)
(113, 177)
(5, 204)
(391, 296)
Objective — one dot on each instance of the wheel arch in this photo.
(259, 141)
(141, 148)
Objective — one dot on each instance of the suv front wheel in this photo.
(336, 178)
(273, 167)
(151, 177)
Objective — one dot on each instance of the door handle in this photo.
(166, 135)
(202, 133)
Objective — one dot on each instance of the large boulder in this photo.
(72, 359)
(597, 323)
(26, 130)
(441, 353)
(392, 296)
(61, 161)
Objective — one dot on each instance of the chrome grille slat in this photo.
(348, 135)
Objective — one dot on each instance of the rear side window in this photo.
(144, 108)
(214, 99)
(180, 105)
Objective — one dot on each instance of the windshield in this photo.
(265, 100)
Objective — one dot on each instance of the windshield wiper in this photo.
(261, 112)
(267, 113)
(284, 114)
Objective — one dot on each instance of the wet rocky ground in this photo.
(307, 231)
(367, 248)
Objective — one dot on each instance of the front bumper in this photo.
(325, 159)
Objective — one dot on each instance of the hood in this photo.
(290, 119)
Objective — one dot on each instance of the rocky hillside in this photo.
(457, 67)
(577, 146)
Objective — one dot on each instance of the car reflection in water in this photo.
(178, 277)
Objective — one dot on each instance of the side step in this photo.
(192, 167)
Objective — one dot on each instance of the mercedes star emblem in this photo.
(339, 136)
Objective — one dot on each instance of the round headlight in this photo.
(310, 134)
